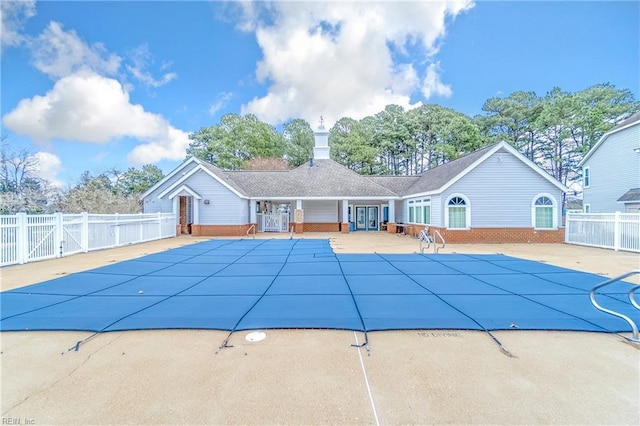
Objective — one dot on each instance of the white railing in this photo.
(275, 222)
(618, 231)
(27, 238)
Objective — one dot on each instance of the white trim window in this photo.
(420, 211)
(586, 177)
(544, 212)
(458, 212)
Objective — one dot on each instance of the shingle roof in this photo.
(437, 177)
(631, 195)
(396, 184)
(325, 178)
(630, 120)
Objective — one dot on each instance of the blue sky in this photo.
(101, 85)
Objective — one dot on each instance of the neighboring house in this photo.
(491, 195)
(611, 170)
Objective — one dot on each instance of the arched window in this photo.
(458, 213)
(544, 214)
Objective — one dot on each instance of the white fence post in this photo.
(616, 232)
(84, 233)
(141, 233)
(22, 239)
(59, 232)
(116, 231)
(160, 225)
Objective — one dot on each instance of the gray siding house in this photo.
(494, 195)
(611, 170)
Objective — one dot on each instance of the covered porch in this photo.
(323, 215)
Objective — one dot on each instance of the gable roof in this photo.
(330, 180)
(187, 189)
(440, 178)
(213, 171)
(184, 164)
(625, 124)
(630, 196)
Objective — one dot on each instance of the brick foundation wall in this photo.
(344, 227)
(219, 230)
(322, 227)
(497, 235)
(298, 228)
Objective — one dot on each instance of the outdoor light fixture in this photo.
(636, 150)
(206, 201)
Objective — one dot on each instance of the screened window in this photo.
(411, 213)
(543, 213)
(587, 208)
(457, 208)
(418, 215)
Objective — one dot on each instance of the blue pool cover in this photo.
(260, 284)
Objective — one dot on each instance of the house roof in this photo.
(325, 178)
(395, 184)
(328, 179)
(629, 122)
(632, 195)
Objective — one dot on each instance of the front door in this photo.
(186, 214)
(372, 218)
(366, 218)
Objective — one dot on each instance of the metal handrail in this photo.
(253, 226)
(427, 239)
(424, 238)
(631, 294)
(435, 247)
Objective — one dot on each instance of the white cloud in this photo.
(220, 102)
(171, 146)
(48, 166)
(432, 86)
(340, 58)
(59, 53)
(90, 108)
(142, 58)
(13, 15)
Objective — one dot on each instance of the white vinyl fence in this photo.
(618, 231)
(27, 238)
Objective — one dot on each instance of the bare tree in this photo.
(21, 189)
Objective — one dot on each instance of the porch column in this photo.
(345, 217)
(253, 217)
(299, 217)
(176, 211)
(391, 225)
(196, 211)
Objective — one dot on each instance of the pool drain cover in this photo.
(256, 336)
